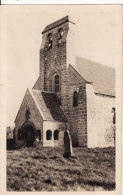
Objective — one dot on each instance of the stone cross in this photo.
(68, 152)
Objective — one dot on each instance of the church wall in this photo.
(91, 117)
(82, 116)
(77, 117)
(104, 117)
(70, 42)
(73, 115)
(35, 116)
(100, 125)
(50, 125)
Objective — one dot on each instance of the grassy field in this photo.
(45, 169)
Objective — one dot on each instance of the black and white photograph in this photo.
(62, 67)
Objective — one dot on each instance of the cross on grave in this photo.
(68, 152)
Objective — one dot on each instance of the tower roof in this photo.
(57, 23)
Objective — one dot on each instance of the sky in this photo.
(97, 38)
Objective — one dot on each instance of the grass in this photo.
(45, 169)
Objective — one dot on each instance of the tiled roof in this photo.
(41, 105)
(49, 105)
(102, 77)
(74, 76)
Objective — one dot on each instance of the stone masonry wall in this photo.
(53, 60)
(82, 116)
(77, 116)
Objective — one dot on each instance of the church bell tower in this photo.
(56, 53)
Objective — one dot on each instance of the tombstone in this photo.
(68, 152)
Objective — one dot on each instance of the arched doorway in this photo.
(29, 133)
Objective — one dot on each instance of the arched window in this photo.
(57, 83)
(75, 99)
(114, 115)
(27, 113)
(60, 33)
(49, 135)
(56, 135)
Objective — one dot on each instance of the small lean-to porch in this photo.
(53, 134)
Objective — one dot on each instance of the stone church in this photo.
(70, 93)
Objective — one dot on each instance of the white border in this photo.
(32, 2)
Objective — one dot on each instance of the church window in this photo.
(50, 41)
(75, 99)
(49, 135)
(27, 113)
(56, 135)
(60, 33)
(57, 83)
(114, 115)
